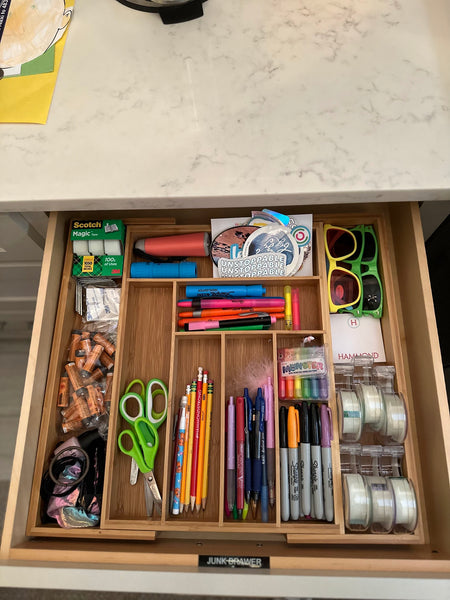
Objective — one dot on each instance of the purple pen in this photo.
(231, 461)
(270, 439)
(327, 467)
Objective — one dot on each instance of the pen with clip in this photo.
(264, 486)
(256, 462)
(327, 468)
(270, 439)
(206, 313)
(284, 465)
(316, 463)
(305, 459)
(231, 465)
(243, 315)
(248, 413)
(240, 443)
(293, 435)
(199, 303)
(261, 319)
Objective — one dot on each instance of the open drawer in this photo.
(125, 533)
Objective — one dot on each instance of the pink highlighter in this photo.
(295, 299)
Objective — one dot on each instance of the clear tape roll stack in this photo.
(379, 504)
(351, 415)
(382, 412)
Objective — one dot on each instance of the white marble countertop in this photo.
(299, 102)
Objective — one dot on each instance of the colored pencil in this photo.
(207, 443)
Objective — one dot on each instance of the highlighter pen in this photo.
(270, 439)
(248, 413)
(293, 432)
(284, 467)
(295, 299)
(198, 303)
(316, 464)
(327, 468)
(305, 459)
(281, 383)
(205, 325)
(247, 314)
(231, 461)
(225, 291)
(288, 308)
(240, 449)
(206, 313)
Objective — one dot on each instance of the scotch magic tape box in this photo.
(97, 246)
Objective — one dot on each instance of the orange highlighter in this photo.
(293, 428)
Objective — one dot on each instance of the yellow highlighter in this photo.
(288, 307)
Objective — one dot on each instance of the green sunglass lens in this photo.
(371, 293)
(340, 243)
(344, 287)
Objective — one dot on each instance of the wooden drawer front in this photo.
(150, 345)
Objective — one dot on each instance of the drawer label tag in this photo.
(234, 562)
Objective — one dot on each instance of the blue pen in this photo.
(225, 291)
(264, 483)
(256, 464)
(248, 412)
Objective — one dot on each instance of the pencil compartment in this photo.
(192, 351)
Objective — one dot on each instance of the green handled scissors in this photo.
(154, 388)
(144, 447)
(144, 400)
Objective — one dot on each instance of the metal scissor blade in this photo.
(134, 472)
(152, 495)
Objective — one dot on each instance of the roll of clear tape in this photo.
(80, 247)
(113, 247)
(406, 513)
(357, 502)
(96, 247)
(371, 400)
(382, 501)
(395, 422)
(351, 416)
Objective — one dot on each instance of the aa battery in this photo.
(75, 377)
(99, 338)
(63, 393)
(92, 358)
(74, 344)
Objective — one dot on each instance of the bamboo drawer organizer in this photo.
(150, 345)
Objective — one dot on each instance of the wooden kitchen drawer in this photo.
(149, 345)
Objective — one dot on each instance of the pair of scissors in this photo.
(145, 423)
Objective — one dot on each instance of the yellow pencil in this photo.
(201, 442)
(184, 472)
(191, 440)
(207, 441)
